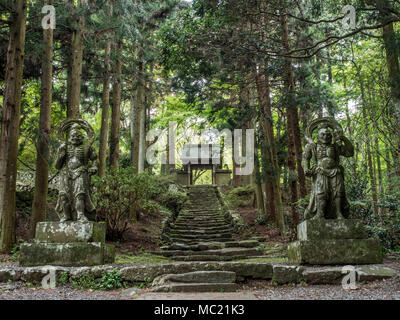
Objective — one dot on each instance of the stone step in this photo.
(193, 242)
(196, 287)
(202, 215)
(201, 210)
(196, 277)
(212, 245)
(201, 257)
(216, 217)
(200, 236)
(198, 229)
(216, 252)
(202, 231)
(202, 224)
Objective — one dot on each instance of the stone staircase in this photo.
(201, 232)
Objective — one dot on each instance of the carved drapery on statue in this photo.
(328, 198)
(76, 162)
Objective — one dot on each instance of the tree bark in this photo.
(116, 109)
(75, 65)
(10, 124)
(105, 105)
(392, 61)
(272, 176)
(292, 110)
(139, 106)
(368, 144)
(43, 148)
(294, 146)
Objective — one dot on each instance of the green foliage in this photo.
(109, 281)
(239, 197)
(385, 226)
(64, 279)
(123, 196)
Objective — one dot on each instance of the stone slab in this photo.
(283, 274)
(196, 287)
(335, 251)
(66, 254)
(196, 277)
(334, 274)
(70, 231)
(374, 272)
(145, 273)
(331, 229)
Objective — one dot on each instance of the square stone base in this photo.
(70, 231)
(331, 229)
(66, 254)
(335, 251)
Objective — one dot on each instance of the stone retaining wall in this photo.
(279, 273)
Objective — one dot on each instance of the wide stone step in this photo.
(201, 236)
(196, 287)
(201, 257)
(201, 231)
(192, 242)
(198, 229)
(196, 277)
(202, 211)
(202, 223)
(200, 219)
(202, 215)
(217, 252)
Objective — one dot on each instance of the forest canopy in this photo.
(132, 67)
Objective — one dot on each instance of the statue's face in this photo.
(76, 137)
(325, 136)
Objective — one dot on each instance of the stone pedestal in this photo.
(68, 244)
(327, 241)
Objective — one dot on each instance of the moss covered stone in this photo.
(71, 231)
(335, 251)
(331, 229)
(65, 254)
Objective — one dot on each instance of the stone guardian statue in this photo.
(76, 162)
(321, 162)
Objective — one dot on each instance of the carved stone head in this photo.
(76, 136)
(324, 136)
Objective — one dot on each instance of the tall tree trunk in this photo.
(132, 124)
(43, 148)
(256, 182)
(10, 124)
(379, 165)
(388, 167)
(105, 105)
(367, 144)
(75, 64)
(139, 106)
(294, 146)
(142, 138)
(272, 183)
(292, 112)
(116, 109)
(392, 60)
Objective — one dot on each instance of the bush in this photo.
(240, 197)
(385, 226)
(122, 196)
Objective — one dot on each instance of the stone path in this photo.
(257, 290)
(201, 232)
